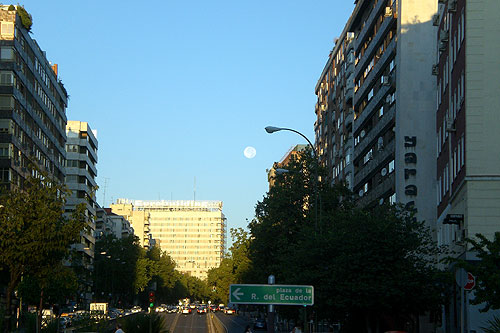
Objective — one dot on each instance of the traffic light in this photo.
(151, 299)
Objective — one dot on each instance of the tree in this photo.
(34, 231)
(368, 266)
(486, 270)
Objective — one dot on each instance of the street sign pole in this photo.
(270, 312)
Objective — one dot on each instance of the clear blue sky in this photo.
(178, 89)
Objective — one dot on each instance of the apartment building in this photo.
(271, 173)
(81, 171)
(374, 128)
(109, 223)
(193, 233)
(139, 219)
(33, 105)
(468, 157)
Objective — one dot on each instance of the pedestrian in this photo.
(119, 328)
(248, 329)
(296, 329)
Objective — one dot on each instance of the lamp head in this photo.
(272, 129)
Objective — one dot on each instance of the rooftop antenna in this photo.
(194, 189)
(104, 192)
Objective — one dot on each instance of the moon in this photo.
(249, 152)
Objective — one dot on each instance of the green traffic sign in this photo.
(276, 294)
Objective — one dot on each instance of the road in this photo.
(179, 323)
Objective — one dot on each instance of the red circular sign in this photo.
(471, 282)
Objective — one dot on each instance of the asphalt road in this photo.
(179, 323)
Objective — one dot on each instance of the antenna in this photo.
(194, 189)
(104, 192)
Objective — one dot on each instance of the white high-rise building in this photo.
(193, 233)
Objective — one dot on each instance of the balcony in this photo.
(380, 65)
(378, 191)
(376, 11)
(370, 50)
(371, 107)
(369, 168)
(372, 136)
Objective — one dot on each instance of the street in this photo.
(179, 323)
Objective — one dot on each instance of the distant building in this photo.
(283, 162)
(33, 105)
(109, 223)
(140, 220)
(81, 171)
(193, 233)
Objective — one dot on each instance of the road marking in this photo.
(177, 315)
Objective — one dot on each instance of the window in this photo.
(6, 102)
(6, 78)
(391, 166)
(370, 94)
(7, 53)
(392, 199)
(381, 111)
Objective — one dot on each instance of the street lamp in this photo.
(272, 129)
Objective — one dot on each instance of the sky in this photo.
(178, 89)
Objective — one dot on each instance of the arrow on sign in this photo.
(237, 294)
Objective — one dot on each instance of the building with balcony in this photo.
(139, 220)
(109, 223)
(81, 154)
(291, 153)
(374, 130)
(468, 157)
(193, 233)
(33, 105)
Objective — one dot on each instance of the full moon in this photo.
(250, 152)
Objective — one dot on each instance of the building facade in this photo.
(375, 125)
(140, 220)
(468, 159)
(81, 171)
(109, 223)
(33, 105)
(193, 233)
(271, 173)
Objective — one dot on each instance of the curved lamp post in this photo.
(272, 129)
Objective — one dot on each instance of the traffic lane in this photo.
(187, 323)
(169, 319)
(233, 323)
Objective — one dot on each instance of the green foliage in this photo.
(35, 233)
(12, 7)
(26, 19)
(57, 281)
(493, 326)
(486, 270)
(364, 264)
(233, 269)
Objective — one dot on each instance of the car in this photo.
(213, 307)
(201, 309)
(221, 307)
(185, 310)
(260, 325)
(229, 311)
(171, 309)
(136, 309)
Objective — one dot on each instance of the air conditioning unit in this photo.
(452, 6)
(388, 11)
(435, 69)
(444, 35)
(442, 46)
(386, 80)
(435, 20)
